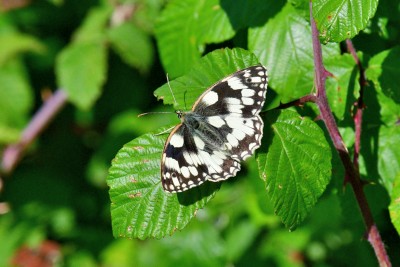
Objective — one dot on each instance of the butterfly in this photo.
(222, 129)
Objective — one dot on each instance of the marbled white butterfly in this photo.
(222, 129)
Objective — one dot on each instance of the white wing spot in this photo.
(176, 140)
(236, 84)
(185, 172)
(199, 143)
(193, 171)
(216, 121)
(172, 163)
(248, 92)
(210, 98)
(232, 101)
(239, 135)
(232, 140)
(248, 101)
(252, 146)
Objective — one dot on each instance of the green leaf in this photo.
(210, 69)
(12, 44)
(140, 208)
(133, 45)
(15, 99)
(383, 70)
(81, 71)
(394, 208)
(295, 164)
(341, 88)
(184, 28)
(94, 26)
(389, 155)
(338, 20)
(284, 46)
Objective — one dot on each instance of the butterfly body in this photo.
(222, 129)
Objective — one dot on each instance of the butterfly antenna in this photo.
(172, 93)
(165, 131)
(156, 112)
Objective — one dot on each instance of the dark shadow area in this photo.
(199, 193)
(244, 13)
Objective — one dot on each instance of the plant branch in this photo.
(298, 102)
(359, 104)
(14, 152)
(352, 173)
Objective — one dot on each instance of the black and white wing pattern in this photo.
(222, 129)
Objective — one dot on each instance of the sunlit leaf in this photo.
(394, 208)
(184, 28)
(284, 46)
(296, 165)
(338, 20)
(140, 207)
(211, 68)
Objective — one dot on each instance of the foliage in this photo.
(288, 206)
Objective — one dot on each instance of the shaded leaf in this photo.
(244, 13)
(338, 20)
(389, 155)
(383, 70)
(133, 45)
(15, 99)
(12, 44)
(94, 26)
(284, 45)
(342, 87)
(296, 166)
(140, 208)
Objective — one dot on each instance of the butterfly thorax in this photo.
(196, 124)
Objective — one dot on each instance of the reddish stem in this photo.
(359, 105)
(14, 152)
(352, 173)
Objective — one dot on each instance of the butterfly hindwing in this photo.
(222, 129)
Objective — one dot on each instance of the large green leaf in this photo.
(295, 164)
(210, 69)
(81, 72)
(383, 70)
(284, 45)
(140, 208)
(184, 28)
(338, 20)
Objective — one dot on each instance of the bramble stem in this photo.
(352, 173)
(14, 152)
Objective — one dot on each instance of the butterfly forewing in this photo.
(222, 129)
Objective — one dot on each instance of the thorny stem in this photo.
(14, 152)
(352, 173)
(359, 105)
